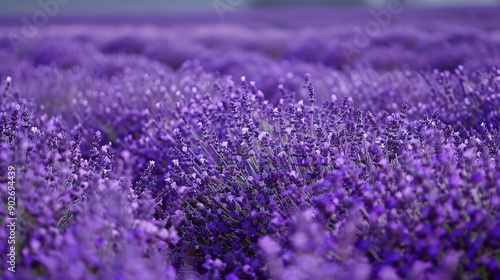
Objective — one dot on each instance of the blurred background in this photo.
(11, 7)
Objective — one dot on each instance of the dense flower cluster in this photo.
(253, 154)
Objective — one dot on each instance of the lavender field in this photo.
(275, 144)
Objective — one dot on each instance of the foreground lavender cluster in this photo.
(135, 160)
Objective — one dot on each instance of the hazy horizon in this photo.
(132, 6)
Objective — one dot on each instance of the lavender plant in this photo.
(238, 156)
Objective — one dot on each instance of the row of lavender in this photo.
(423, 45)
(128, 169)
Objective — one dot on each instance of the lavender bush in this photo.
(254, 154)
